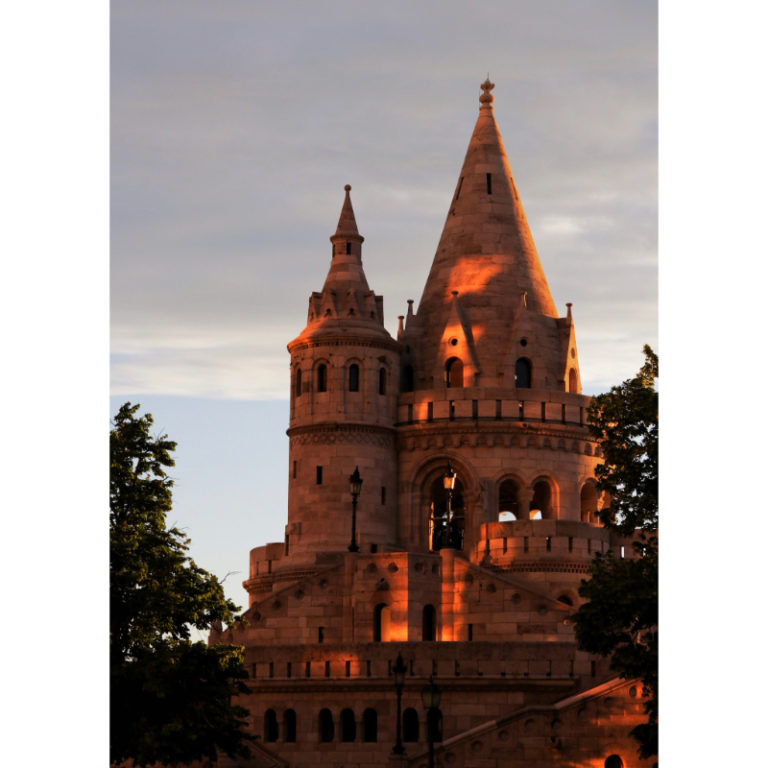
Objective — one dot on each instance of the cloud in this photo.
(235, 127)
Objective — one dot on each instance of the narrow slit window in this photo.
(410, 414)
(451, 410)
(308, 669)
(429, 411)
(298, 382)
(319, 475)
(382, 381)
(383, 494)
(474, 409)
(294, 469)
(488, 182)
(525, 543)
(498, 410)
(349, 247)
(320, 634)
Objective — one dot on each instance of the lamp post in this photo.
(399, 671)
(449, 482)
(430, 697)
(355, 484)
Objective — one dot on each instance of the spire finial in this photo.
(487, 87)
(347, 187)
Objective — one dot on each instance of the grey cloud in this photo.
(236, 125)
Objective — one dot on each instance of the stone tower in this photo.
(474, 527)
(345, 369)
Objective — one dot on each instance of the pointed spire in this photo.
(486, 229)
(486, 250)
(346, 272)
(347, 225)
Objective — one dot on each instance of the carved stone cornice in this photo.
(332, 432)
(345, 340)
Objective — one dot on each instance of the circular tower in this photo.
(345, 374)
(491, 388)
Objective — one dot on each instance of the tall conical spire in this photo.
(486, 245)
(486, 257)
(346, 272)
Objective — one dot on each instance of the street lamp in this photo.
(430, 697)
(355, 484)
(449, 483)
(399, 671)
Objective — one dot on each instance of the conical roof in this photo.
(346, 306)
(486, 251)
(346, 271)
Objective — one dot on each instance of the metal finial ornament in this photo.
(347, 187)
(487, 87)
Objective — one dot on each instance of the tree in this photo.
(621, 616)
(170, 699)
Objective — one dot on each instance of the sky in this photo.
(234, 128)
(204, 147)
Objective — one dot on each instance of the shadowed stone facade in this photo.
(473, 586)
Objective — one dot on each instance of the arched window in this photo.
(565, 600)
(325, 725)
(382, 381)
(354, 377)
(298, 382)
(348, 727)
(408, 378)
(542, 501)
(289, 725)
(370, 725)
(410, 725)
(523, 373)
(322, 377)
(588, 503)
(614, 761)
(428, 624)
(435, 723)
(270, 725)
(573, 384)
(381, 623)
(446, 527)
(454, 373)
(508, 501)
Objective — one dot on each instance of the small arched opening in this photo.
(573, 384)
(614, 761)
(454, 372)
(509, 505)
(588, 503)
(289, 725)
(297, 382)
(429, 624)
(271, 731)
(325, 726)
(381, 623)
(348, 725)
(541, 505)
(382, 381)
(410, 725)
(322, 378)
(435, 724)
(370, 725)
(523, 373)
(354, 377)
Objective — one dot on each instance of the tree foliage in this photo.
(620, 618)
(170, 698)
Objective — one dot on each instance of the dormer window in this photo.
(454, 373)
(523, 373)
